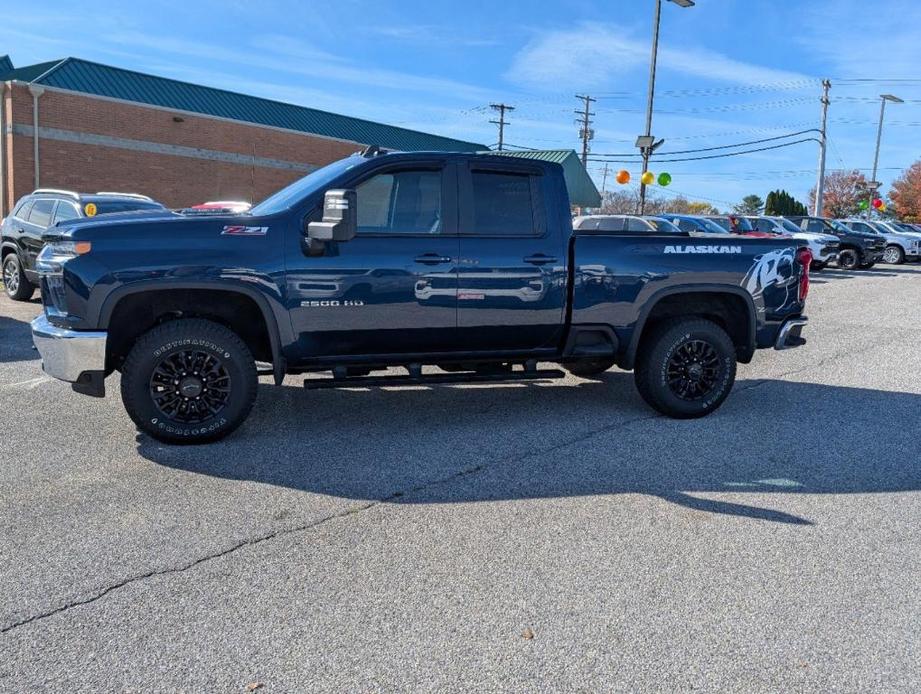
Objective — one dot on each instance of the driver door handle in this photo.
(539, 259)
(432, 259)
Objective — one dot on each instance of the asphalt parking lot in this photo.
(525, 537)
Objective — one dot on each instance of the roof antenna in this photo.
(371, 151)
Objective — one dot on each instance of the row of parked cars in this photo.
(850, 243)
(21, 231)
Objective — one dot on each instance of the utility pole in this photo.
(501, 108)
(875, 185)
(604, 178)
(586, 133)
(820, 183)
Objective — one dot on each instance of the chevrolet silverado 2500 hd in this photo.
(465, 262)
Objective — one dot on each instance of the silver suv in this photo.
(900, 246)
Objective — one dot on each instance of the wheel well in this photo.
(729, 311)
(135, 314)
(5, 251)
(847, 247)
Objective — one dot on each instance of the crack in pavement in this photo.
(350, 511)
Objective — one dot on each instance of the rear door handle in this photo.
(432, 259)
(539, 259)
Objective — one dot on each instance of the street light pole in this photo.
(874, 185)
(646, 149)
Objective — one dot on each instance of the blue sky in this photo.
(729, 70)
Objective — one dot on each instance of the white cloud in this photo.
(591, 55)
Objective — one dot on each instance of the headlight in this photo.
(64, 249)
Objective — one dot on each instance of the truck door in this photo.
(512, 267)
(393, 288)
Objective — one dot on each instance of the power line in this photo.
(715, 156)
(711, 149)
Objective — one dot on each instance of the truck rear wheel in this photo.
(189, 381)
(589, 367)
(847, 259)
(686, 367)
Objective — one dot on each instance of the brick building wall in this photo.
(89, 144)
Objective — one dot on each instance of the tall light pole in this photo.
(646, 142)
(874, 184)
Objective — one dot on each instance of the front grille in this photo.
(830, 248)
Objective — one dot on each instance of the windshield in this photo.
(288, 196)
(112, 206)
(711, 226)
(663, 225)
(788, 225)
(837, 226)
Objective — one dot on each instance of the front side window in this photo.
(41, 212)
(400, 202)
(815, 226)
(502, 204)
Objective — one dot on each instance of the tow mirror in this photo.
(340, 218)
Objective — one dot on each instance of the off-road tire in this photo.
(668, 343)
(15, 283)
(589, 367)
(219, 359)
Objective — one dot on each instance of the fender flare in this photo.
(630, 356)
(279, 364)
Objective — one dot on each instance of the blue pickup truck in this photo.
(467, 263)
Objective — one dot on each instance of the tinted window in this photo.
(112, 206)
(601, 224)
(400, 202)
(741, 224)
(815, 226)
(64, 212)
(41, 212)
(638, 225)
(686, 225)
(663, 225)
(22, 211)
(722, 222)
(502, 204)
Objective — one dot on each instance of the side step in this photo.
(415, 377)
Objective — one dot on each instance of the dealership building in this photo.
(80, 125)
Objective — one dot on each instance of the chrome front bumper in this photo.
(789, 335)
(68, 354)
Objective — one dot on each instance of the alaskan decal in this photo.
(776, 268)
(239, 230)
(720, 250)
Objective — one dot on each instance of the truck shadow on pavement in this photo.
(15, 340)
(450, 445)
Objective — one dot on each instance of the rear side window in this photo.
(503, 204)
(22, 211)
(40, 215)
(64, 212)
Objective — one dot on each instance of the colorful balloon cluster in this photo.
(648, 178)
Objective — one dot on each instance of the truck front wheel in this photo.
(686, 367)
(189, 381)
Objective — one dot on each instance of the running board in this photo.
(433, 379)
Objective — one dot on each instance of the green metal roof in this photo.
(6, 65)
(88, 77)
(582, 190)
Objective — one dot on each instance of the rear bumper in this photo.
(790, 334)
(75, 356)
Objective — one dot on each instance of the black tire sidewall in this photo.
(847, 252)
(26, 289)
(174, 337)
(589, 367)
(655, 367)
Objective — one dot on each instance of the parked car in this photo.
(696, 225)
(896, 254)
(624, 222)
(21, 232)
(736, 224)
(824, 247)
(185, 327)
(219, 207)
(898, 247)
(858, 249)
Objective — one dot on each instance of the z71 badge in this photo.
(234, 230)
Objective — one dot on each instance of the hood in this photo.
(113, 218)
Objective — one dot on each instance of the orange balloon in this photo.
(623, 176)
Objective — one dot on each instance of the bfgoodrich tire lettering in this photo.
(686, 367)
(189, 381)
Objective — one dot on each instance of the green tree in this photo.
(780, 202)
(751, 204)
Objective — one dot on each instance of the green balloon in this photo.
(863, 205)
(665, 179)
